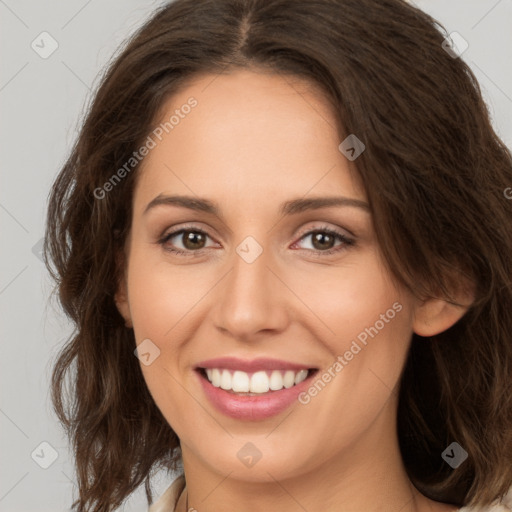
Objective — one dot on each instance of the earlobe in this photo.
(124, 309)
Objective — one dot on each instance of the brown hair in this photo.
(434, 172)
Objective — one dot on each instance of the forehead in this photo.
(252, 136)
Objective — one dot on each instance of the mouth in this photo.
(256, 383)
(253, 390)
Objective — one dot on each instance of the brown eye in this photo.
(193, 239)
(185, 241)
(322, 240)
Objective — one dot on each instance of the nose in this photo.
(252, 299)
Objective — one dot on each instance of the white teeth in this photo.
(215, 378)
(258, 382)
(301, 376)
(276, 380)
(240, 382)
(289, 379)
(225, 380)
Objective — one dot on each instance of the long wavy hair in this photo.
(434, 172)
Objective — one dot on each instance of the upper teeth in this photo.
(258, 382)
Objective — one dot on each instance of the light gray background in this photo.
(42, 101)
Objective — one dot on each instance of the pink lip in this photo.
(252, 408)
(254, 365)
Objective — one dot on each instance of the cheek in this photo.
(368, 324)
(351, 299)
(161, 294)
(164, 303)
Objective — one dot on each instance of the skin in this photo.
(254, 141)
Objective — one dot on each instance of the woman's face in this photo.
(268, 286)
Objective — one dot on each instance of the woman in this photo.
(293, 214)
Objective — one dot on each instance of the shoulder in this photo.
(167, 502)
(505, 505)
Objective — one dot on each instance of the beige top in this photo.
(167, 502)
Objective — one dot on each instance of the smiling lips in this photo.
(258, 382)
(252, 390)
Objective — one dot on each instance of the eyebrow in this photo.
(291, 207)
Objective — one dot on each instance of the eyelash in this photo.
(347, 242)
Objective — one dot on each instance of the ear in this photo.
(121, 295)
(434, 315)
